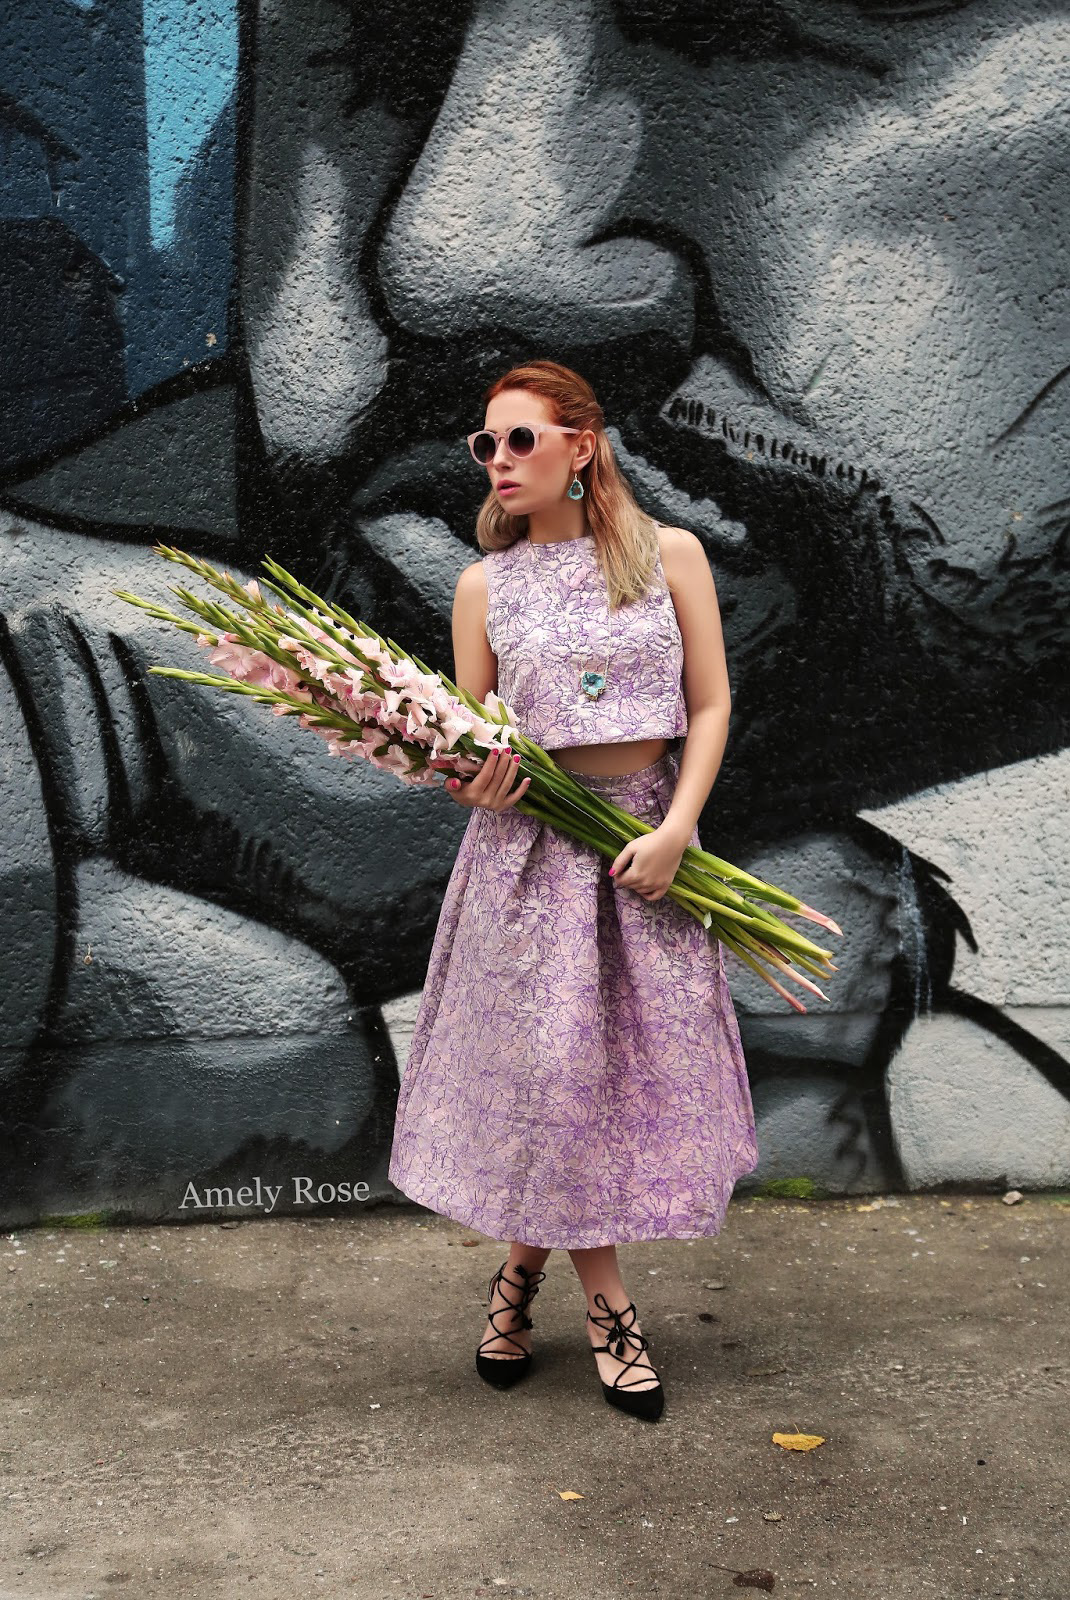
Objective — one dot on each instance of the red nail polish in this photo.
(612, 870)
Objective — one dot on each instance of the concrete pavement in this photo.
(289, 1407)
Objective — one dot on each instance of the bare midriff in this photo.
(611, 760)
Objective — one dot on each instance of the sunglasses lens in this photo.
(483, 447)
(521, 441)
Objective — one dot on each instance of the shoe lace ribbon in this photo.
(530, 1288)
(621, 1332)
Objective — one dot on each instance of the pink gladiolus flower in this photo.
(420, 776)
(394, 721)
(305, 721)
(451, 729)
(231, 656)
(354, 678)
(441, 703)
(403, 675)
(418, 712)
(371, 652)
(396, 699)
(366, 649)
(454, 764)
(382, 707)
(488, 733)
(372, 736)
(254, 667)
(338, 683)
(363, 707)
(394, 760)
(422, 733)
(285, 678)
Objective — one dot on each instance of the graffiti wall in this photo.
(258, 266)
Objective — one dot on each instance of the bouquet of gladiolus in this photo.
(369, 698)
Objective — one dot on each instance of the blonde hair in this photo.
(626, 540)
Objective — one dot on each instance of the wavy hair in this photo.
(626, 540)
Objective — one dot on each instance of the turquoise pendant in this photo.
(592, 683)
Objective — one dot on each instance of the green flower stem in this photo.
(695, 882)
(728, 912)
(733, 905)
(799, 947)
(267, 615)
(739, 946)
(327, 718)
(695, 869)
(721, 916)
(729, 897)
(361, 629)
(570, 800)
(219, 580)
(759, 946)
(572, 825)
(582, 827)
(736, 875)
(609, 846)
(685, 904)
(815, 968)
(743, 955)
(702, 880)
(160, 611)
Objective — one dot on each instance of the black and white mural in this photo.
(259, 264)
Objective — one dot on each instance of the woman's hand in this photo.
(492, 784)
(648, 864)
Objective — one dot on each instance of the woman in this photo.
(576, 1078)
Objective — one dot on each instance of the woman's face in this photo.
(540, 481)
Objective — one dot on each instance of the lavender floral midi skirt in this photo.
(575, 1076)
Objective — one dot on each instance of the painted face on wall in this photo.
(811, 254)
(839, 226)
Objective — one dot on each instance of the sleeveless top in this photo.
(547, 623)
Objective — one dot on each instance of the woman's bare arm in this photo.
(474, 662)
(705, 676)
(475, 668)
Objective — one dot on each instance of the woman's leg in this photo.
(508, 1319)
(599, 1272)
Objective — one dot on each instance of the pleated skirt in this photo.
(575, 1076)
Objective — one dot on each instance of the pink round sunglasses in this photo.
(520, 439)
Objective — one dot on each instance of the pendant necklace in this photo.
(592, 683)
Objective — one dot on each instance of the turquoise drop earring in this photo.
(575, 490)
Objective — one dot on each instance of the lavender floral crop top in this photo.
(547, 622)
